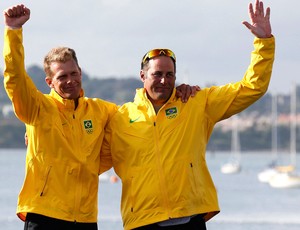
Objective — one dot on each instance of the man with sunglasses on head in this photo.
(157, 144)
(64, 133)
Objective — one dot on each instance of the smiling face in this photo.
(65, 79)
(159, 79)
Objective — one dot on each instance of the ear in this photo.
(48, 80)
(142, 76)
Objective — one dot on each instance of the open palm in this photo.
(260, 21)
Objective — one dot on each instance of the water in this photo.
(246, 204)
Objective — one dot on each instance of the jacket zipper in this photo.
(161, 178)
(78, 188)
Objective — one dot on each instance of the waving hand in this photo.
(260, 21)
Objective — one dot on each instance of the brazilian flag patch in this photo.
(171, 112)
(88, 126)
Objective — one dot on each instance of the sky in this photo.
(211, 44)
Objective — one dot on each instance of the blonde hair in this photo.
(58, 54)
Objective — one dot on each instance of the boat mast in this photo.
(235, 140)
(293, 123)
(274, 127)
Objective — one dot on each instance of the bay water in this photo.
(246, 203)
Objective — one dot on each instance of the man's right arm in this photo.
(18, 85)
(13, 51)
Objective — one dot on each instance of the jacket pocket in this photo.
(131, 194)
(141, 192)
(45, 180)
(195, 178)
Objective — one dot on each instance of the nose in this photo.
(70, 79)
(163, 79)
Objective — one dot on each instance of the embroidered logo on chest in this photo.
(171, 112)
(88, 126)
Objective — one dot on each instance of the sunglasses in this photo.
(158, 52)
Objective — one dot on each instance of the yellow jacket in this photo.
(160, 158)
(63, 154)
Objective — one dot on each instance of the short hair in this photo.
(58, 54)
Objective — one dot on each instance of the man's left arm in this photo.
(233, 98)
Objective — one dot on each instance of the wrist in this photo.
(13, 27)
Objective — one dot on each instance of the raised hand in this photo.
(260, 21)
(16, 16)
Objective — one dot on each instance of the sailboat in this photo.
(265, 175)
(287, 176)
(233, 166)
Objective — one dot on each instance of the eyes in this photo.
(159, 75)
(65, 77)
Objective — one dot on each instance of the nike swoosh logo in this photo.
(131, 120)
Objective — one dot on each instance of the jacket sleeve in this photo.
(18, 85)
(105, 154)
(229, 99)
